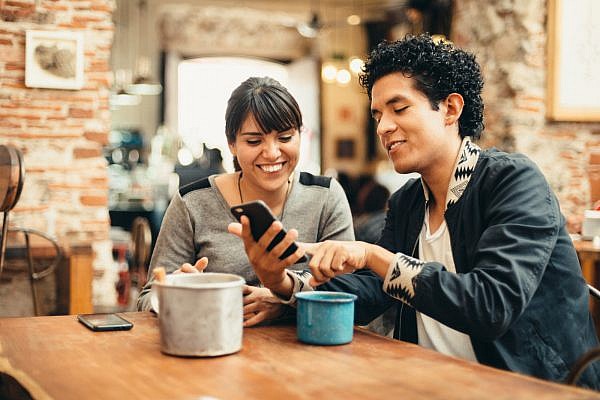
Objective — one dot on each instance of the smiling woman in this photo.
(262, 124)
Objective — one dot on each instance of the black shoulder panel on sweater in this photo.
(190, 187)
(314, 180)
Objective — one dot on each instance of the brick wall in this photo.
(61, 132)
(510, 39)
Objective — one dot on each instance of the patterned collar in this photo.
(463, 170)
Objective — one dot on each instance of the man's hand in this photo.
(331, 258)
(267, 265)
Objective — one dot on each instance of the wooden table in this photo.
(56, 357)
(589, 255)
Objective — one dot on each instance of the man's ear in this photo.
(454, 106)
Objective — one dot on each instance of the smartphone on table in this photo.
(261, 218)
(104, 322)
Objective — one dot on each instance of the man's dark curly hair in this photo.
(438, 69)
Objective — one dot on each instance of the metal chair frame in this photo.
(13, 159)
(33, 275)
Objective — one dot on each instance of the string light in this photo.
(343, 76)
(356, 64)
(329, 73)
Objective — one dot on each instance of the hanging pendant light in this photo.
(119, 97)
(142, 83)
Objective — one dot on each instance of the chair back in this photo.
(141, 243)
(595, 293)
(12, 176)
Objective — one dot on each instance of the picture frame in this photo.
(54, 59)
(573, 59)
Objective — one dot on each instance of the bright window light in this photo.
(204, 86)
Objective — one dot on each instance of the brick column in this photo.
(61, 132)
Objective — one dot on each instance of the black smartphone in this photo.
(104, 322)
(261, 218)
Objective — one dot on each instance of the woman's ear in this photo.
(454, 106)
(232, 148)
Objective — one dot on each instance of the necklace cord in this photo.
(287, 192)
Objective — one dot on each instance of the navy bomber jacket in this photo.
(518, 292)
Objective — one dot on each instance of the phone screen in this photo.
(261, 218)
(104, 322)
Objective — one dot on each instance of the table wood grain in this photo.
(58, 358)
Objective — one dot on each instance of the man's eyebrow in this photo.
(395, 99)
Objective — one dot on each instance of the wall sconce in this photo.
(353, 19)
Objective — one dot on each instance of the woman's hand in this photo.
(188, 268)
(267, 265)
(260, 305)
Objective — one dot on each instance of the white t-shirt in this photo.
(433, 334)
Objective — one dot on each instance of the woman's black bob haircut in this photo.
(271, 105)
(438, 69)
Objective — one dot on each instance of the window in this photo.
(205, 84)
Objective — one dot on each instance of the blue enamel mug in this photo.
(325, 318)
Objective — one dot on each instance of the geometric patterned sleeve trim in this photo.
(399, 279)
(300, 279)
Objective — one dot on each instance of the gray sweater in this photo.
(195, 226)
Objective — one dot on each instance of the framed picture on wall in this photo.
(54, 59)
(573, 59)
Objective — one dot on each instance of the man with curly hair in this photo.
(474, 256)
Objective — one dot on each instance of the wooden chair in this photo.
(141, 243)
(12, 177)
(589, 357)
(594, 292)
(40, 252)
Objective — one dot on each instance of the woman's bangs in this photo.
(273, 114)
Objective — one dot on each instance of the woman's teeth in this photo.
(271, 168)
